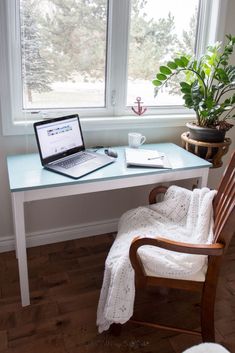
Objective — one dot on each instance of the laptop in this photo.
(61, 147)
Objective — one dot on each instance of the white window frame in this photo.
(115, 115)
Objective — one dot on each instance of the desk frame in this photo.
(19, 198)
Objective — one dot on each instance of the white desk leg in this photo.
(13, 212)
(202, 181)
(18, 213)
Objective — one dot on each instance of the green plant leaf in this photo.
(187, 96)
(224, 62)
(165, 70)
(172, 65)
(179, 62)
(161, 77)
(185, 85)
(203, 74)
(184, 60)
(185, 90)
(157, 83)
(230, 71)
(194, 65)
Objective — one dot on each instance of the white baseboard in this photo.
(61, 234)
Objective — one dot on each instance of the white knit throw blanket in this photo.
(184, 216)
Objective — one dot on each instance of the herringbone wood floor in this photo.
(65, 280)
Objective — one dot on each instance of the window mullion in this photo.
(13, 49)
(211, 24)
(16, 64)
(217, 20)
(119, 53)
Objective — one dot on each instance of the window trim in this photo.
(212, 24)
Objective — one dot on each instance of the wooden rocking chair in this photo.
(224, 229)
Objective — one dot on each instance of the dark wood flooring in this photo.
(65, 280)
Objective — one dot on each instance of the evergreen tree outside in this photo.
(37, 73)
(76, 33)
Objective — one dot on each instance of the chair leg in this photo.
(207, 313)
(115, 329)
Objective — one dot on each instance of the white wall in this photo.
(72, 211)
(216, 174)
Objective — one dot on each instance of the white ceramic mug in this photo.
(135, 139)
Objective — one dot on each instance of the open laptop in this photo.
(61, 147)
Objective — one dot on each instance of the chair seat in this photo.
(162, 263)
(156, 264)
(150, 265)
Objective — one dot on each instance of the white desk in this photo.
(29, 182)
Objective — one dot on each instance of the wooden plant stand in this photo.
(211, 151)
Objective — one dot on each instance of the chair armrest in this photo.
(156, 191)
(215, 249)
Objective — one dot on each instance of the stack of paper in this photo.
(146, 158)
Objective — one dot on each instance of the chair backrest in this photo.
(224, 206)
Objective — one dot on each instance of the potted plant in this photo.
(208, 88)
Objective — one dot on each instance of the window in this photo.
(63, 48)
(95, 57)
(159, 30)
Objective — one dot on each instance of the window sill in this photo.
(127, 122)
(110, 123)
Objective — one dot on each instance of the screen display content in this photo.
(59, 137)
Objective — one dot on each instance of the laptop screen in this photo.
(59, 137)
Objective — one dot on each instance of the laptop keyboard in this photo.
(73, 161)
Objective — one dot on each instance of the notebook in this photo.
(146, 158)
(61, 147)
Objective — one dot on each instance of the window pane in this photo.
(159, 30)
(63, 53)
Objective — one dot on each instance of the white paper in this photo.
(142, 157)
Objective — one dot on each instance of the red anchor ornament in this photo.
(140, 109)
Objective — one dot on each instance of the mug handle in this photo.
(142, 140)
